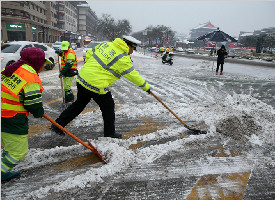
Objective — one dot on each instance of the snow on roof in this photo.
(246, 34)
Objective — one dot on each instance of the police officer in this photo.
(68, 69)
(21, 90)
(109, 61)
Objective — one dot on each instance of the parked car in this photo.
(190, 51)
(231, 54)
(154, 49)
(56, 45)
(92, 44)
(10, 52)
(74, 46)
(179, 49)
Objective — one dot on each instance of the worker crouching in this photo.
(21, 90)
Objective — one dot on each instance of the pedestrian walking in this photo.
(220, 61)
(68, 69)
(109, 61)
(21, 90)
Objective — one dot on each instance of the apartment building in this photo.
(87, 21)
(46, 21)
(67, 19)
(29, 20)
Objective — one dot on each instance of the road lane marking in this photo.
(78, 162)
(229, 186)
(149, 127)
(222, 187)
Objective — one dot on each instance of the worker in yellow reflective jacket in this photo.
(109, 61)
(21, 90)
(68, 69)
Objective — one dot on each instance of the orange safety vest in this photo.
(64, 59)
(10, 89)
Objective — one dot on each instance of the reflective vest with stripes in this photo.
(11, 104)
(108, 63)
(64, 58)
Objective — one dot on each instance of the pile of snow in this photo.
(239, 117)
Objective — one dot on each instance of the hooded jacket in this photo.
(221, 55)
(109, 61)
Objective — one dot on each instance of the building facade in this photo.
(87, 21)
(28, 21)
(46, 21)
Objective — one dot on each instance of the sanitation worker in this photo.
(21, 90)
(109, 61)
(68, 69)
(161, 50)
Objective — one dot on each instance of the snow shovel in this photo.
(196, 132)
(62, 88)
(90, 146)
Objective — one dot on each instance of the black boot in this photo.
(117, 135)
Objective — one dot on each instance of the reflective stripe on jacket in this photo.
(67, 57)
(107, 64)
(12, 101)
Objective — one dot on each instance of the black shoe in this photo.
(57, 130)
(9, 175)
(116, 135)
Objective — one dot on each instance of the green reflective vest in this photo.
(109, 61)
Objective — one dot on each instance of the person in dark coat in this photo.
(220, 61)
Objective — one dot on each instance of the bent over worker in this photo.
(21, 90)
(68, 69)
(109, 61)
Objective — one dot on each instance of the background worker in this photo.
(161, 50)
(109, 61)
(21, 90)
(68, 69)
(220, 60)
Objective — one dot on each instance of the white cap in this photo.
(131, 40)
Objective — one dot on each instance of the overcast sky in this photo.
(230, 16)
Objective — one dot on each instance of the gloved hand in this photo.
(59, 52)
(148, 91)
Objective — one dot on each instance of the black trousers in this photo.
(218, 64)
(105, 102)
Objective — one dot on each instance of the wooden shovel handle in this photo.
(92, 148)
(167, 108)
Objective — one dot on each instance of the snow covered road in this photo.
(158, 158)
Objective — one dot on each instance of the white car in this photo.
(74, 46)
(10, 52)
(92, 44)
(190, 51)
(56, 45)
(179, 49)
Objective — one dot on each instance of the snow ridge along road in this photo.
(158, 157)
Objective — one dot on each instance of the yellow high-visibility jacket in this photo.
(109, 61)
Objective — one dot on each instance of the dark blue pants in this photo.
(105, 102)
